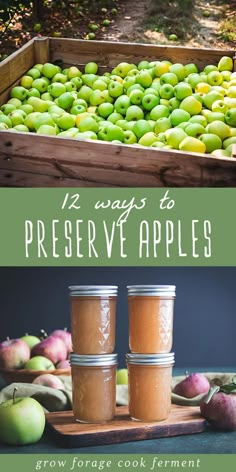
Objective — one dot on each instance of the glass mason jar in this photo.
(93, 387)
(93, 318)
(151, 309)
(149, 385)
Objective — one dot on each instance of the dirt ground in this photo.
(195, 23)
(201, 31)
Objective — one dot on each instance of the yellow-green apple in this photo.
(194, 79)
(179, 116)
(72, 72)
(141, 127)
(6, 120)
(225, 63)
(211, 141)
(14, 353)
(218, 127)
(34, 73)
(169, 78)
(122, 377)
(56, 89)
(43, 119)
(149, 101)
(144, 78)
(19, 92)
(99, 84)
(39, 363)
(21, 128)
(115, 89)
(69, 133)
(104, 109)
(129, 137)
(38, 104)
(47, 130)
(194, 129)
(221, 153)
(220, 106)
(88, 124)
(159, 111)
(91, 68)
(30, 119)
(174, 136)
(49, 380)
(33, 92)
(66, 121)
(215, 115)
(26, 81)
(15, 101)
(7, 108)
(52, 347)
(161, 125)
(134, 113)
(128, 81)
(166, 91)
(192, 144)
(30, 339)
(16, 117)
(84, 93)
(161, 68)
(136, 96)
(198, 119)
(214, 78)
(65, 100)
(228, 141)
(230, 117)
(3, 126)
(191, 68)
(111, 133)
(191, 105)
(210, 97)
(22, 421)
(27, 108)
(179, 70)
(49, 70)
(40, 84)
(86, 135)
(121, 104)
(148, 139)
(97, 97)
(182, 90)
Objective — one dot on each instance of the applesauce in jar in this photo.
(151, 309)
(93, 387)
(149, 386)
(93, 318)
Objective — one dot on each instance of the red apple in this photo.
(52, 347)
(14, 353)
(219, 406)
(63, 364)
(49, 380)
(65, 336)
(192, 385)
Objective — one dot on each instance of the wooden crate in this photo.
(30, 160)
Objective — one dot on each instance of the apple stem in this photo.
(7, 338)
(43, 334)
(14, 394)
(186, 373)
(65, 329)
(211, 392)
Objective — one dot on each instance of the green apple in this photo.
(169, 78)
(210, 98)
(219, 128)
(134, 113)
(191, 144)
(34, 73)
(69, 133)
(38, 104)
(136, 96)
(134, 87)
(88, 124)
(129, 137)
(43, 119)
(21, 128)
(105, 109)
(160, 68)
(229, 141)
(22, 421)
(5, 119)
(209, 68)
(230, 117)
(179, 70)
(40, 84)
(179, 116)
(122, 69)
(111, 133)
(30, 119)
(159, 111)
(191, 68)
(221, 153)
(65, 100)
(215, 115)
(3, 126)
(173, 37)
(191, 105)
(55, 109)
(149, 101)
(122, 123)
(219, 106)
(39, 67)
(59, 77)
(121, 104)
(114, 117)
(16, 117)
(148, 139)
(140, 128)
(231, 92)
(47, 130)
(198, 119)
(56, 89)
(91, 68)
(128, 81)
(174, 137)
(19, 92)
(96, 97)
(214, 78)
(76, 83)
(49, 70)
(76, 109)
(70, 86)
(194, 79)
(33, 92)
(15, 102)
(211, 141)
(162, 125)
(7, 108)
(115, 89)
(231, 102)
(99, 84)
(39, 363)
(225, 64)
(166, 91)
(84, 93)
(30, 340)
(89, 79)
(66, 121)
(194, 129)
(144, 78)
(26, 81)
(182, 90)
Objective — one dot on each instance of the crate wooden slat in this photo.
(68, 433)
(34, 160)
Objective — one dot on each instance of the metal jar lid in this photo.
(93, 359)
(93, 290)
(158, 360)
(151, 290)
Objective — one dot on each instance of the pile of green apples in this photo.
(157, 104)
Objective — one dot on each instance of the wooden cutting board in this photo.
(69, 433)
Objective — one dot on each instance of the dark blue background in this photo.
(205, 306)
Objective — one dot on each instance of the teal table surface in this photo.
(209, 442)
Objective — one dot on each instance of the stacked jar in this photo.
(150, 361)
(93, 362)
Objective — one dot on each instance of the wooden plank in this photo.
(108, 54)
(169, 168)
(26, 179)
(69, 433)
(41, 50)
(14, 66)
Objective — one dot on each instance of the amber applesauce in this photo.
(93, 387)
(149, 385)
(151, 309)
(93, 319)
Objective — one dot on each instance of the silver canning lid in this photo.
(93, 359)
(152, 290)
(93, 290)
(151, 359)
